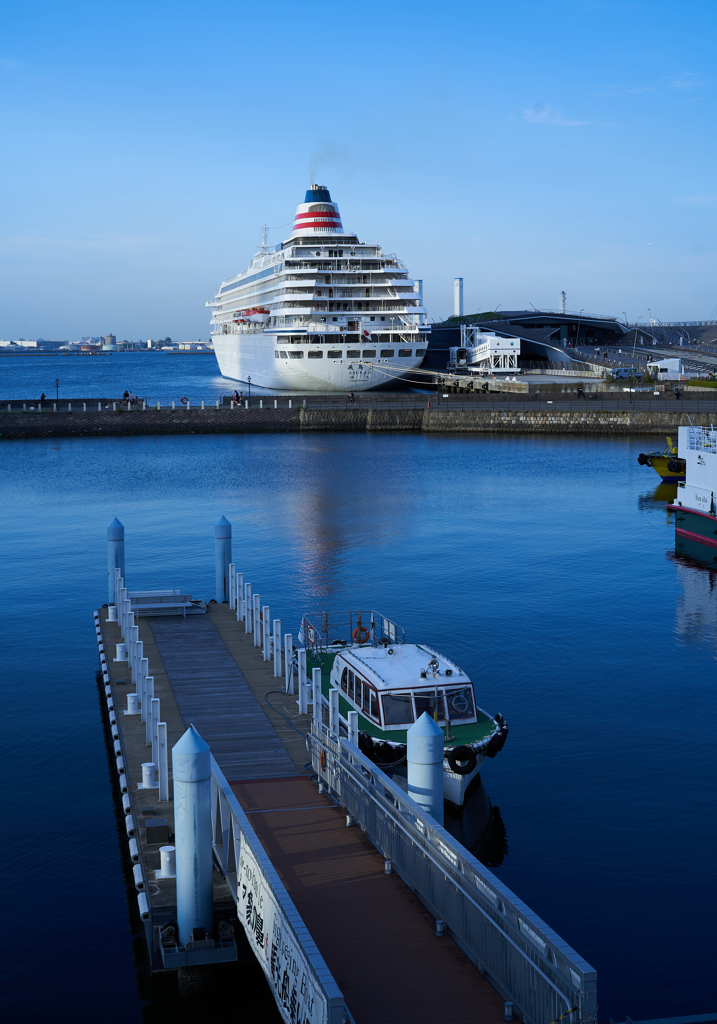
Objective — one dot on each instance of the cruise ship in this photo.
(321, 311)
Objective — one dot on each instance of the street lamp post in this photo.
(577, 339)
(248, 380)
(57, 389)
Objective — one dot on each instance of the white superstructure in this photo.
(319, 312)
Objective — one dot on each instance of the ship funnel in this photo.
(317, 215)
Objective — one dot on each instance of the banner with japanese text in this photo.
(298, 996)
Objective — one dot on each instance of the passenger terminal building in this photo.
(544, 336)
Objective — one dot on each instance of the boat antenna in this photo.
(263, 238)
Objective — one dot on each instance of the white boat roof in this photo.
(401, 668)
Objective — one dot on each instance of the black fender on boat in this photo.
(497, 740)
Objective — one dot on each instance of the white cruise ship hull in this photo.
(241, 356)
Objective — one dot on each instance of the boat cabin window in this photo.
(397, 709)
(296, 355)
(345, 680)
(426, 701)
(373, 706)
(460, 703)
(351, 684)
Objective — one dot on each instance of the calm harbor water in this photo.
(544, 566)
(167, 376)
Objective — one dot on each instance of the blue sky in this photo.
(528, 147)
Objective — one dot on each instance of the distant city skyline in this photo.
(527, 148)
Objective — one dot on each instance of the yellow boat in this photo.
(666, 463)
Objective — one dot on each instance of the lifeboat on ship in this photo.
(255, 315)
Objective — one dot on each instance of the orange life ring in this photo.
(361, 634)
(184, 401)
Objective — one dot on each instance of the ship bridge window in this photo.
(460, 703)
(397, 709)
(427, 700)
(296, 355)
(316, 354)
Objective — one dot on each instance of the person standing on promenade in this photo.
(352, 399)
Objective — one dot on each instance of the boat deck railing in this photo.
(322, 630)
(522, 957)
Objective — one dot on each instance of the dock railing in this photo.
(522, 957)
(275, 931)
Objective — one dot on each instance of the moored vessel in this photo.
(666, 463)
(321, 311)
(695, 506)
(390, 683)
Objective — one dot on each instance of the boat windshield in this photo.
(460, 703)
(430, 701)
(397, 708)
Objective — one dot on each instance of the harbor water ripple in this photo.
(544, 566)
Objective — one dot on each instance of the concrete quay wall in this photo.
(27, 425)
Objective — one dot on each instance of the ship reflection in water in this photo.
(479, 826)
(664, 494)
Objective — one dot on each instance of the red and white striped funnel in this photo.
(317, 215)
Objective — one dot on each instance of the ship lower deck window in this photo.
(397, 709)
(405, 352)
(314, 354)
(296, 355)
(283, 355)
(420, 351)
(387, 352)
(353, 353)
(333, 355)
(369, 353)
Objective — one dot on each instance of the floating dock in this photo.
(359, 906)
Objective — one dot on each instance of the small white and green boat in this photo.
(389, 684)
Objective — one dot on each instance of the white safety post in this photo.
(334, 711)
(142, 687)
(232, 584)
(424, 748)
(257, 619)
(115, 555)
(289, 662)
(316, 694)
(239, 595)
(136, 655)
(119, 583)
(154, 715)
(353, 727)
(277, 648)
(303, 695)
(193, 834)
(149, 691)
(162, 761)
(265, 632)
(222, 557)
(247, 608)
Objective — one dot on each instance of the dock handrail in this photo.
(233, 836)
(524, 959)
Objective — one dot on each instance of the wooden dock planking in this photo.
(376, 936)
(212, 693)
